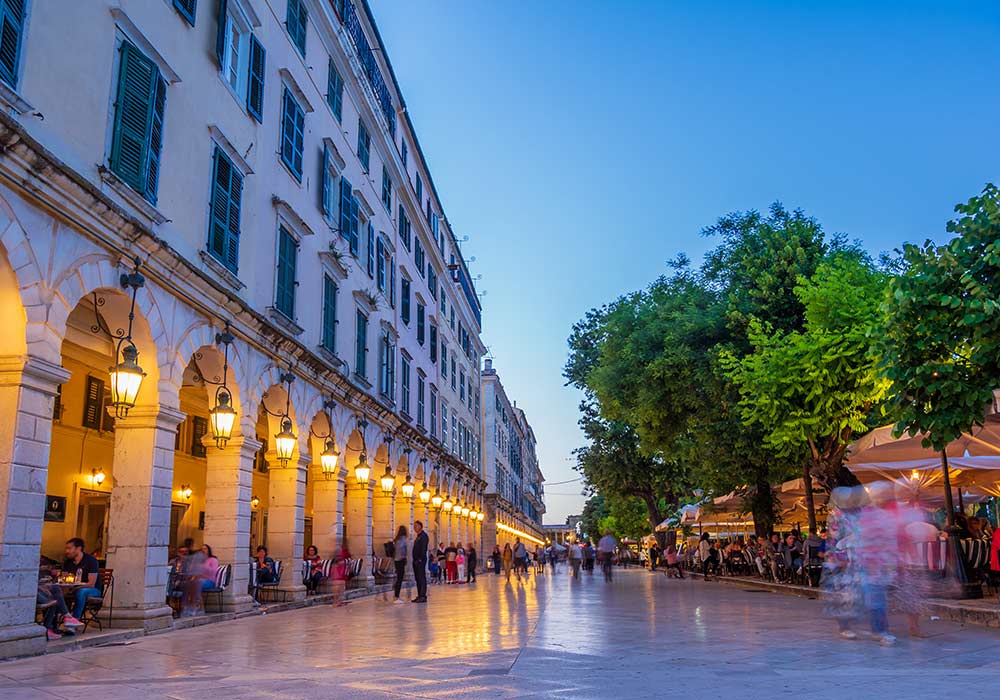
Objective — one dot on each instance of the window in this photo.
(452, 369)
(364, 145)
(434, 343)
(387, 367)
(95, 403)
(432, 281)
(461, 384)
(328, 176)
(404, 227)
(434, 410)
(284, 298)
(185, 8)
(420, 398)
(371, 250)
(10, 39)
(224, 224)
(420, 192)
(420, 323)
(404, 385)
(444, 360)
(335, 90)
(349, 218)
(329, 338)
(418, 255)
(444, 305)
(292, 134)
(404, 300)
(234, 45)
(444, 424)
(452, 317)
(404, 153)
(138, 127)
(295, 21)
(361, 346)
(386, 190)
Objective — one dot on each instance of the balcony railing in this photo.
(352, 23)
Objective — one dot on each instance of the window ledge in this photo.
(131, 196)
(223, 272)
(366, 299)
(385, 400)
(286, 324)
(330, 357)
(360, 381)
(10, 98)
(337, 265)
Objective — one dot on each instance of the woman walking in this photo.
(401, 551)
(497, 558)
(508, 560)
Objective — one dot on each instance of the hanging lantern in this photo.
(254, 502)
(407, 487)
(126, 378)
(222, 417)
(186, 492)
(436, 500)
(425, 493)
(284, 442)
(387, 481)
(464, 512)
(481, 516)
(447, 505)
(328, 460)
(473, 514)
(362, 472)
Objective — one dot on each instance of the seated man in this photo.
(86, 571)
(50, 600)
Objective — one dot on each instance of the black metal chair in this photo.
(95, 604)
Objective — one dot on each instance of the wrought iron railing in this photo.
(349, 15)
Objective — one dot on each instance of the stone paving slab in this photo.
(642, 637)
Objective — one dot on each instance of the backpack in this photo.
(390, 549)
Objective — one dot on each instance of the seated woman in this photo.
(265, 566)
(314, 574)
(209, 569)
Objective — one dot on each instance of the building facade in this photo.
(226, 203)
(514, 492)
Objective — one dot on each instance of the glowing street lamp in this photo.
(284, 442)
(328, 459)
(362, 472)
(407, 487)
(387, 480)
(425, 494)
(447, 505)
(437, 501)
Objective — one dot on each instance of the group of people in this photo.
(510, 559)
(193, 571)
(78, 579)
(458, 563)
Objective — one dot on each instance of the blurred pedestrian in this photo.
(400, 552)
(508, 560)
(470, 564)
(420, 542)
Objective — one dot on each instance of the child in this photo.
(673, 564)
(460, 561)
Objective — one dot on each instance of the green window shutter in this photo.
(380, 264)
(133, 116)
(155, 139)
(404, 299)
(93, 401)
(255, 80)
(292, 135)
(345, 208)
(326, 190)
(220, 32)
(360, 345)
(287, 253)
(227, 194)
(329, 340)
(187, 9)
(11, 31)
(335, 91)
(199, 426)
(355, 239)
(296, 21)
(392, 281)
(371, 250)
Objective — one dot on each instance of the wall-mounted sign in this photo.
(55, 509)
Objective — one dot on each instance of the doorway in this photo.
(92, 521)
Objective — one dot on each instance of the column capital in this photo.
(35, 372)
(241, 443)
(156, 416)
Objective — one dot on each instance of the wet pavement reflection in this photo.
(642, 636)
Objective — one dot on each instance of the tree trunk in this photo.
(655, 518)
(810, 501)
(762, 508)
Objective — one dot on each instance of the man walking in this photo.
(520, 558)
(575, 558)
(420, 561)
(605, 552)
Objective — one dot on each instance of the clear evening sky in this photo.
(580, 145)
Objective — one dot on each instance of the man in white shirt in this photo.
(605, 551)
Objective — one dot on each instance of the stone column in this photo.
(228, 485)
(489, 524)
(358, 522)
(285, 521)
(328, 511)
(26, 391)
(383, 517)
(139, 521)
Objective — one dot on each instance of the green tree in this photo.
(815, 389)
(593, 511)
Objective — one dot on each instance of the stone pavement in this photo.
(642, 637)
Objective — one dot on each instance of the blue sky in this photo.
(580, 145)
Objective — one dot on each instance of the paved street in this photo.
(641, 637)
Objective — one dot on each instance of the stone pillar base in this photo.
(22, 640)
(292, 591)
(150, 619)
(237, 604)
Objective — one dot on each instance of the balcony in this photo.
(367, 57)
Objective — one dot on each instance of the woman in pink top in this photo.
(209, 569)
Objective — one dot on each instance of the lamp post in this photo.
(330, 454)
(222, 416)
(284, 441)
(362, 472)
(126, 375)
